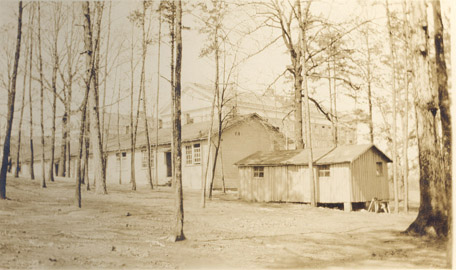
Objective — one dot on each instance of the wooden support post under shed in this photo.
(348, 207)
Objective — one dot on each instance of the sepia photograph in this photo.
(226, 134)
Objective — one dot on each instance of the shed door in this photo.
(324, 183)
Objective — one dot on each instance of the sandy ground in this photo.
(42, 228)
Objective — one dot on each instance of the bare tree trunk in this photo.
(157, 118)
(98, 12)
(369, 89)
(82, 164)
(214, 163)
(209, 147)
(393, 82)
(433, 210)
(303, 24)
(118, 136)
(104, 132)
(55, 57)
(43, 158)
(331, 102)
(63, 145)
(177, 151)
(79, 171)
(86, 154)
(444, 100)
(219, 108)
(405, 169)
(95, 132)
(68, 150)
(19, 134)
(51, 162)
(89, 78)
(11, 97)
(88, 49)
(445, 118)
(223, 173)
(66, 138)
(132, 132)
(294, 50)
(149, 154)
(172, 28)
(143, 86)
(299, 141)
(32, 169)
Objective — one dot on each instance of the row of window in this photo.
(192, 155)
(143, 160)
(323, 170)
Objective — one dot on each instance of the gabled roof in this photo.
(282, 157)
(349, 153)
(190, 132)
(321, 156)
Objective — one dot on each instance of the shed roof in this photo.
(348, 153)
(321, 156)
(190, 132)
(282, 157)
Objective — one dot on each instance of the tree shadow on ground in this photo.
(373, 249)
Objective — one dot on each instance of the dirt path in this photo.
(42, 228)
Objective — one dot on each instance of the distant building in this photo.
(243, 135)
(277, 110)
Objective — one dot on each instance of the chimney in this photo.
(188, 119)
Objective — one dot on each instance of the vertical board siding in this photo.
(348, 182)
(294, 185)
(279, 184)
(365, 183)
(334, 188)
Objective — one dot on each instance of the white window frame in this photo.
(152, 157)
(193, 154)
(197, 153)
(144, 158)
(188, 155)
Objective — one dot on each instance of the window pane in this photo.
(258, 171)
(152, 156)
(188, 154)
(379, 167)
(196, 153)
(144, 158)
(324, 171)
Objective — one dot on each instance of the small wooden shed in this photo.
(344, 174)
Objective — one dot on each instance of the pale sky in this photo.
(254, 75)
